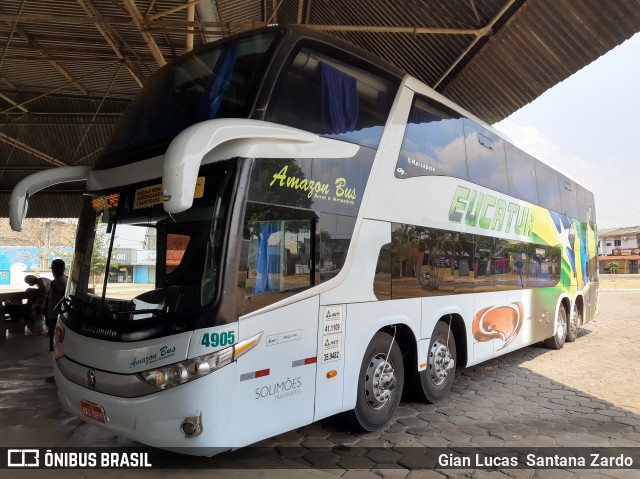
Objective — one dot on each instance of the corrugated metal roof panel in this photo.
(546, 43)
(532, 46)
(47, 205)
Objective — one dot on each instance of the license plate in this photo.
(93, 411)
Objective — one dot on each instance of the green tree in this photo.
(43, 234)
(613, 267)
(98, 263)
(407, 246)
(439, 245)
(442, 246)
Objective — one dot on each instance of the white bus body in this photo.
(312, 272)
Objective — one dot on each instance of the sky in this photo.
(588, 126)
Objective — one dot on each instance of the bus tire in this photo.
(575, 321)
(558, 339)
(438, 377)
(380, 383)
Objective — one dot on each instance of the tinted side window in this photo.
(333, 237)
(382, 279)
(298, 224)
(421, 262)
(275, 255)
(548, 187)
(522, 174)
(484, 264)
(485, 157)
(509, 264)
(285, 250)
(465, 264)
(433, 142)
(337, 96)
(568, 198)
(542, 266)
(327, 185)
(586, 208)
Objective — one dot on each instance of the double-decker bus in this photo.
(315, 232)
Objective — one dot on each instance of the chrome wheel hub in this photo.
(380, 382)
(562, 326)
(440, 362)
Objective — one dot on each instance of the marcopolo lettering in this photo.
(490, 212)
(419, 164)
(94, 331)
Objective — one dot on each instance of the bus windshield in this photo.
(137, 262)
(217, 82)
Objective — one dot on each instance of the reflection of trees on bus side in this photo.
(441, 260)
(427, 253)
(98, 259)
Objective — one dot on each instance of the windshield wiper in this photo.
(89, 309)
(111, 228)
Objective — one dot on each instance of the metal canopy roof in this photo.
(68, 68)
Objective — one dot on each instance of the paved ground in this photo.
(587, 394)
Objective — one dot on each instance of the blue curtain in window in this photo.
(220, 85)
(268, 258)
(339, 100)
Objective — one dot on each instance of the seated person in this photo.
(37, 293)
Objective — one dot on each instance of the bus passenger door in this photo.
(276, 379)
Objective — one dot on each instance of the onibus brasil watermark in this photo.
(48, 459)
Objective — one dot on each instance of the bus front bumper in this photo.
(157, 419)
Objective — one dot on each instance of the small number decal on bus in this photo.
(214, 340)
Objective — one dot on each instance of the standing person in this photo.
(56, 293)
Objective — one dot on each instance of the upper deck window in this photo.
(568, 196)
(219, 82)
(548, 192)
(522, 174)
(586, 211)
(333, 95)
(485, 157)
(433, 142)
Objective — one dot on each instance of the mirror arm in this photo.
(38, 181)
(185, 153)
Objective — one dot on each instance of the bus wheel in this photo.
(437, 379)
(574, 324)
(379, 384)
(557, 340)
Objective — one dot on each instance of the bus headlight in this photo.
(185, 371)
